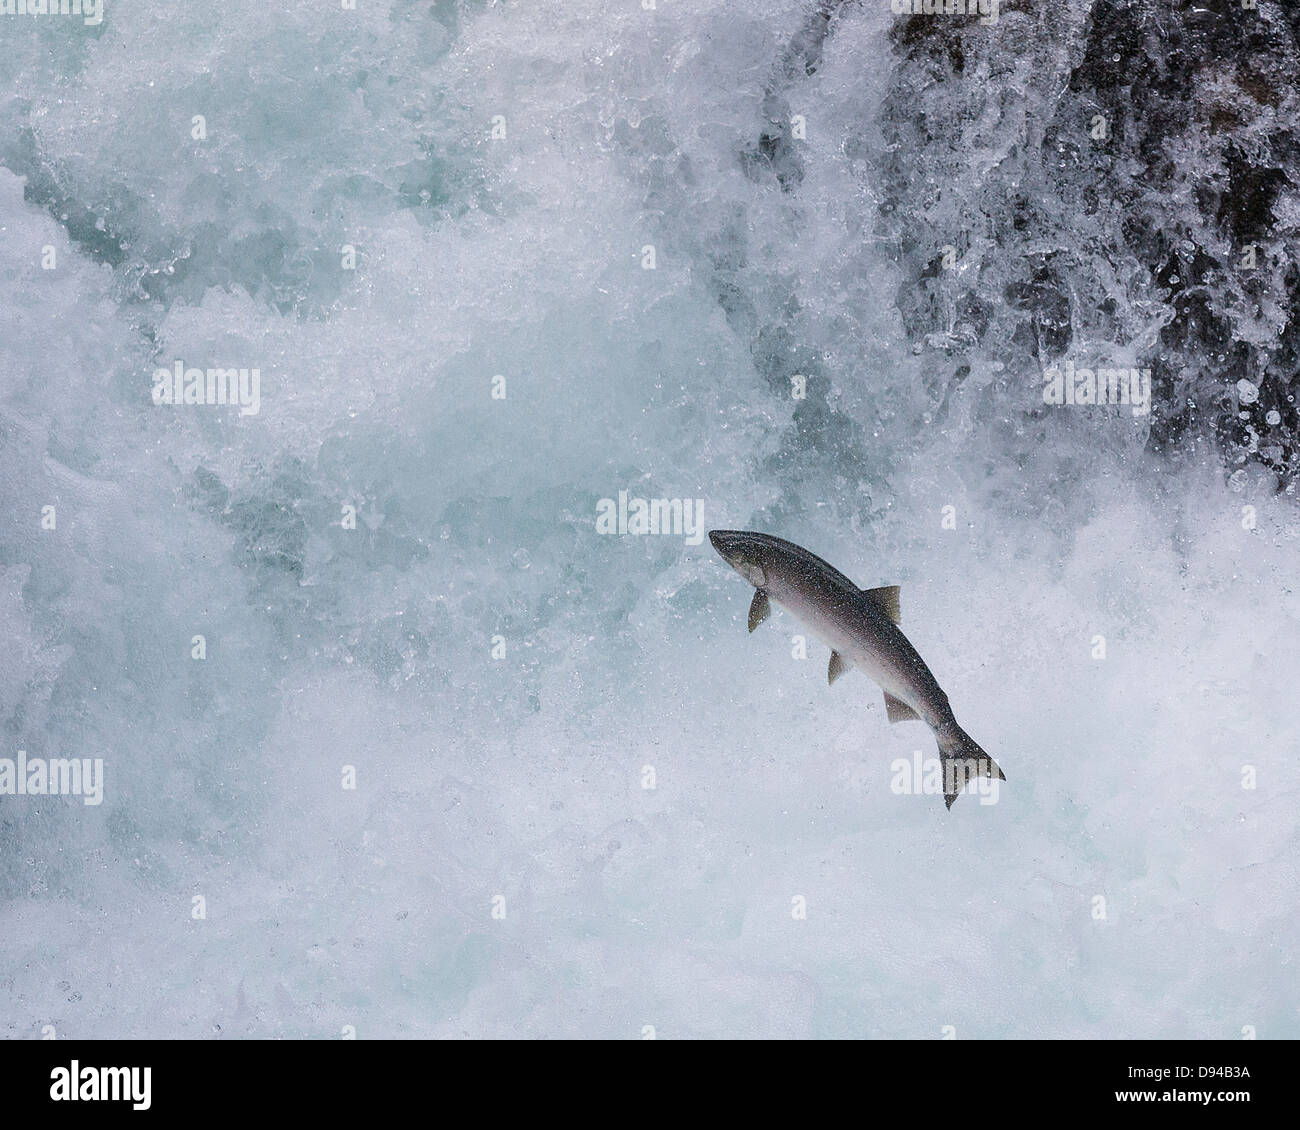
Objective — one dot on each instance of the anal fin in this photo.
(837, 667)
(898, 710)
(759, 609)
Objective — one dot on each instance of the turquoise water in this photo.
(497, 675)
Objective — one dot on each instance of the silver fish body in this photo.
(861, 628)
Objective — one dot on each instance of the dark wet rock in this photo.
(1124, 173)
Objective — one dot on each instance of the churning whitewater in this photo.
(338, 343)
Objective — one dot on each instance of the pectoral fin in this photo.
(837, 667)
(897, 710)
(887, 598)
(759, 609)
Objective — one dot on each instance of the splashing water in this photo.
(494, 264)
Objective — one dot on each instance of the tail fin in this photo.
(963, 761)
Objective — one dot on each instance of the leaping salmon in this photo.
(861, 627)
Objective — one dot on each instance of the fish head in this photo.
(744, 552)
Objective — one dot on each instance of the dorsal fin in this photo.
(887, 598)
(759, 608)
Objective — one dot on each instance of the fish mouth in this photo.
(727, 542)
(740, 549)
